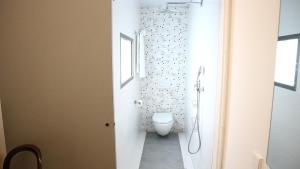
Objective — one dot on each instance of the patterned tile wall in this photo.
(163, 88)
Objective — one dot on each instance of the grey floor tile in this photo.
(161, 152)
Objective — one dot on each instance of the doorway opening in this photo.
(169, 63)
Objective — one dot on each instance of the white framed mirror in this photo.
(287, 60)
(126, 59)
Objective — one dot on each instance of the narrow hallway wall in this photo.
(284, 153)
(254, 34)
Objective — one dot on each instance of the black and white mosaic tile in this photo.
(163, 88)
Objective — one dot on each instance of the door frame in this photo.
(2, 139)
(223, 83)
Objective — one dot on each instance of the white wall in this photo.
(204, 31)
(129, 137)
(289, 17)
(254, 31)
(284, 149)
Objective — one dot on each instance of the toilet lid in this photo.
(162, 117)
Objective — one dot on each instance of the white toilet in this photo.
(163, 123)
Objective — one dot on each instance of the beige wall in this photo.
(56, 80)
(2, 139)
(252, 57)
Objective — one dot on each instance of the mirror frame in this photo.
(125, 37)
(289, 37)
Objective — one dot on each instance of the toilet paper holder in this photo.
(138, 102)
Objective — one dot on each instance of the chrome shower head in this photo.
(186, 3)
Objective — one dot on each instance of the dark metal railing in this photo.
(23, 148)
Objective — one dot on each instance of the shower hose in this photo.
(196, 123)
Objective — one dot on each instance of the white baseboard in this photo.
(187, 161)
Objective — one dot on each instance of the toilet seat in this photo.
(162, 118)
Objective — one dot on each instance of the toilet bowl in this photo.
(163, 123)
